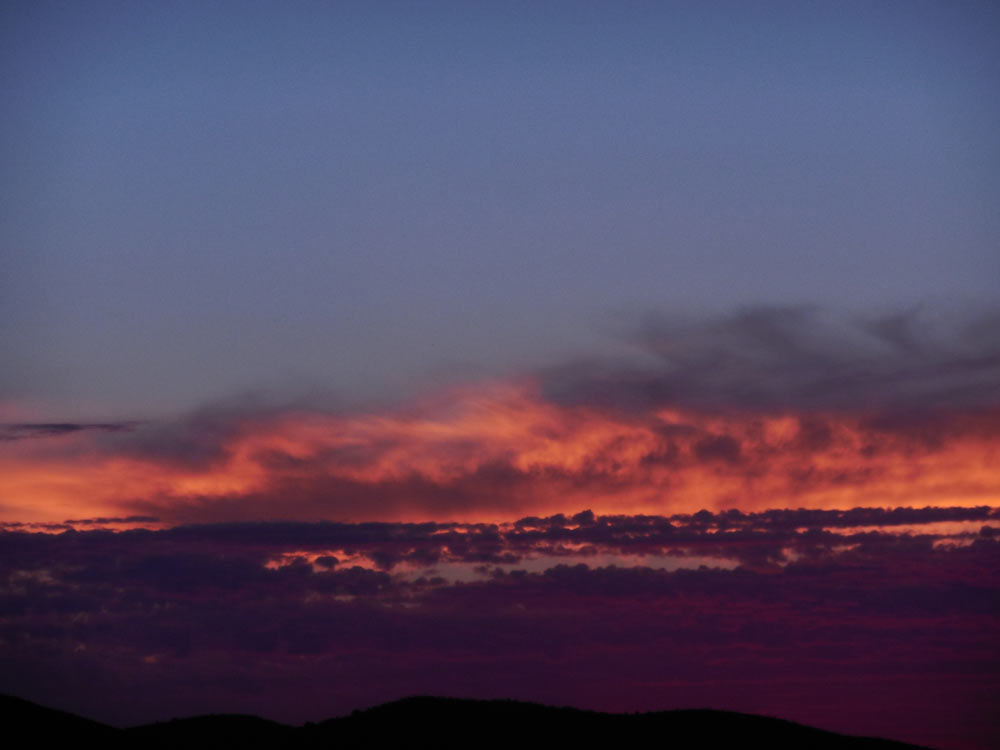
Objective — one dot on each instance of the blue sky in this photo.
(369, 199)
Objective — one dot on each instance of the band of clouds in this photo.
(766, 407)
(778, 536)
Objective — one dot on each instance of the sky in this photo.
(622, 355)
(367, 199)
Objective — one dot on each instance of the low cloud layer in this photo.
(779, 534)
(779, 612)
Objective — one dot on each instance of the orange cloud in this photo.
(499, 452)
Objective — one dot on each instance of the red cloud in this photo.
(501, 452)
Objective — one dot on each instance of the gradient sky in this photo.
(620, 355)
(367, 199)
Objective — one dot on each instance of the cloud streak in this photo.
(29, 430)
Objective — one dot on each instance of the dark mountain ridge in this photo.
(425, 721)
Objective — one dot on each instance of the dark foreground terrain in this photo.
(435, 722)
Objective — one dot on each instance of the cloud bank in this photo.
(764, 408)
(499, 452)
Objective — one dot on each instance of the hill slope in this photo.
(440, 723)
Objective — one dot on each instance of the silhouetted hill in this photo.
(46, 726)
(451, 722)
(220, 731)
(440, 723)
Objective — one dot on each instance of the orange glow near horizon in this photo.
(501, 452)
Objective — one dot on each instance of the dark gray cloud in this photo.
(796, 357)
(194, 440)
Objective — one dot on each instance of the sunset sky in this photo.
(629, 356)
